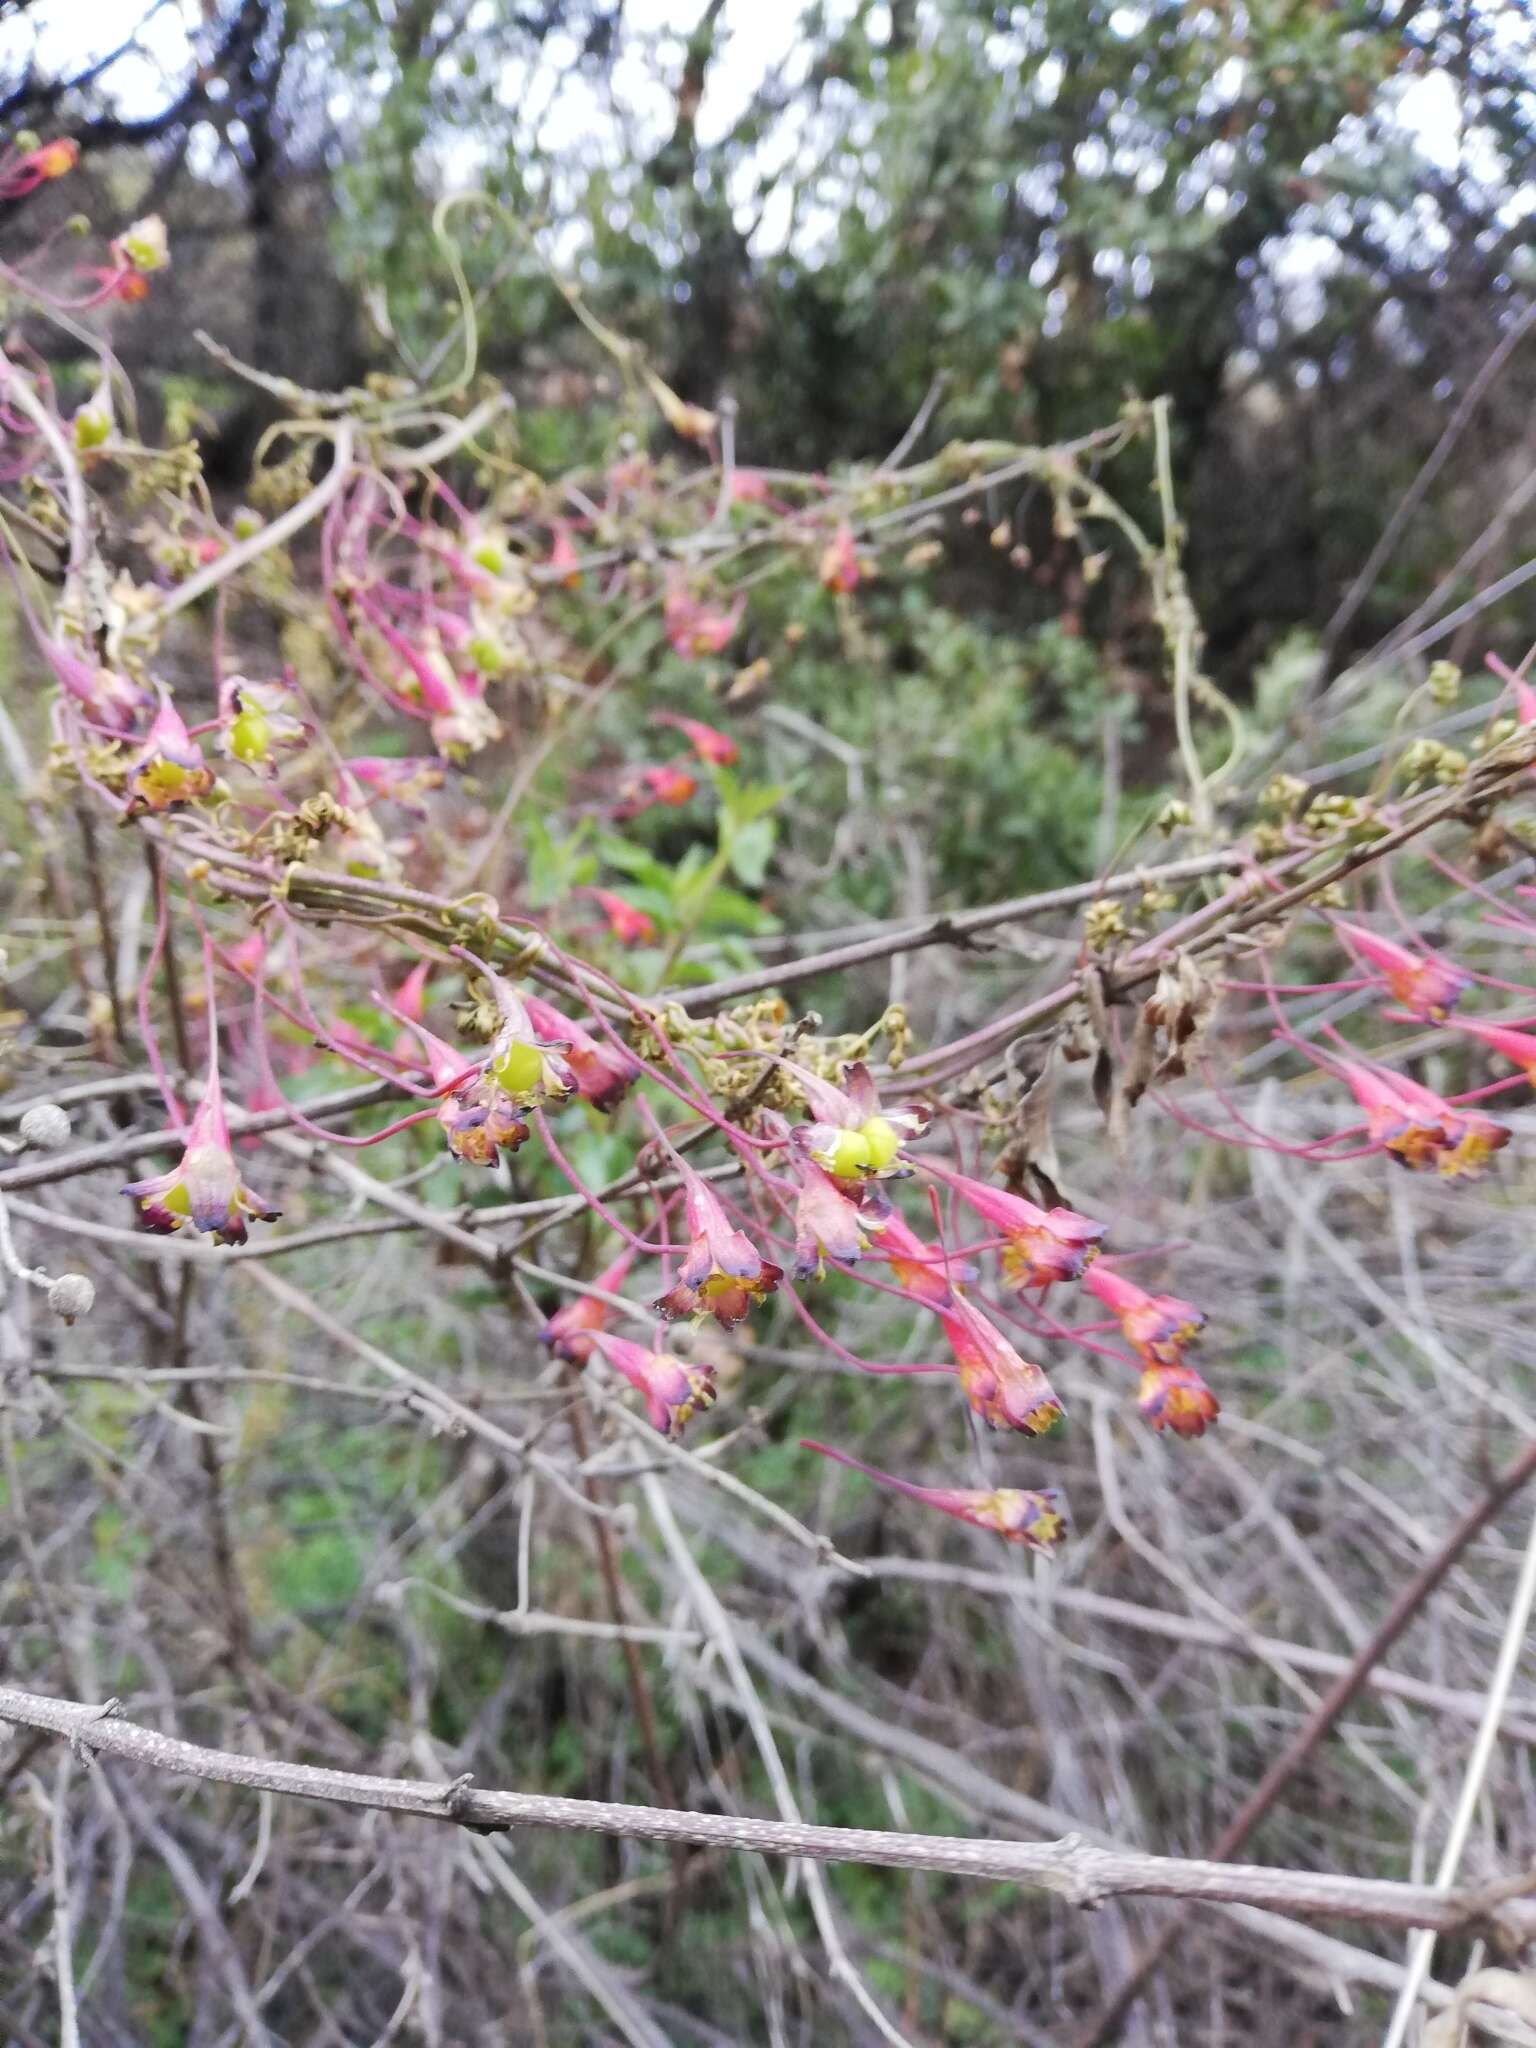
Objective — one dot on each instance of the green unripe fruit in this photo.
(848, 1155)
(883, 1140)
(520, 1068)
(250, 737)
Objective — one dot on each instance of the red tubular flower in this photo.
(205, 1190)
(1034, 1519)
(410, 1000)
(827, 1224)
(918, 1269)
(666, 782)
(1518, 1047)
(723, 1274)
(1005, 1390)
(1043, 1244)
(631, 927)
(568, 1333)
(850, 1136)
(674, 1392)
(168, 768)
(839, 566)
(1419, 1128)
(1424, 983)
(1160, 1326)
(710, 744)
(54, 159)
(563, 558)
(604, 1072)
(1176, 1397)
(693, 629)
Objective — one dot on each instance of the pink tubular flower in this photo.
(631, 927)
(839, 566)
(1005, 1390)
(168, 768)
(410, 999)
(1034, 1519)
(674, 1392)
(604, 1072)
(711, 745)
(568, 1333)
(1424, 983)
(108, 697)
(1042, 1244)
(723, 1274)
(1420, 1129)
(404, 781)
(827, 1224)
(918, 1269)
(1518, 1047)
(1160, 1326)
(563, 558)
(1176, 1397)
(692, 628)
(849, 1136)
(748, 487)
(205, 1190)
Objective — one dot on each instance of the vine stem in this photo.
(1078, 1871)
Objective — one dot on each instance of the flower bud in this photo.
(44, 1126)
(71, 1295)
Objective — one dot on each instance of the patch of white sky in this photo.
(584, 114)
